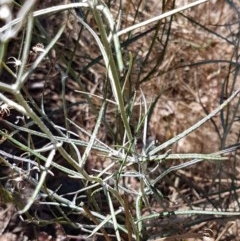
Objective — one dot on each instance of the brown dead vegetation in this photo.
(185, 65)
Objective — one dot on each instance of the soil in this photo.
(183, 67)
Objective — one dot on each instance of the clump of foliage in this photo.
(78, 102)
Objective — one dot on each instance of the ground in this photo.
(183, 68)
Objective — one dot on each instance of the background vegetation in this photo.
(119, 120)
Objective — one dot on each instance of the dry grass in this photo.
(186, 65)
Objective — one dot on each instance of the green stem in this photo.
(112, 72)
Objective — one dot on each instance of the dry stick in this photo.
(224, 231)
(128, 217)
(91, 217)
